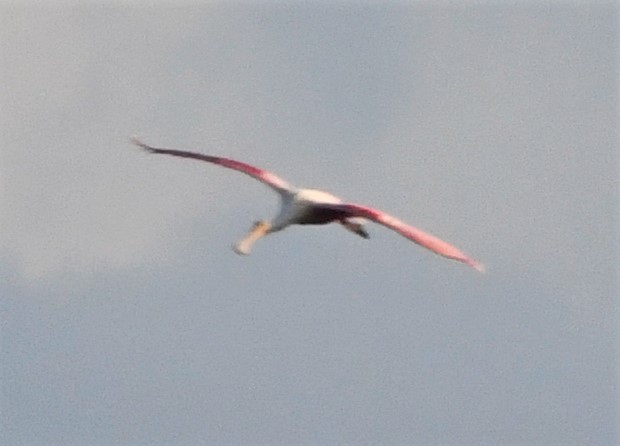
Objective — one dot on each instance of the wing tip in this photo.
(136, 141)
(476, 265)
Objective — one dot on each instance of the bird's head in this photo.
(260, 225)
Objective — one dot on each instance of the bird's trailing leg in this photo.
(356, 226)
(259, 230)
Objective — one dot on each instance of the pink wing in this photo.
(418, 236)
(271, 180)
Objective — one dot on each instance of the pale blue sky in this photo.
(126, 317)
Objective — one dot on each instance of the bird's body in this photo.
(297, 208)
(316, 207)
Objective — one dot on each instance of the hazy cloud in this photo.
(128, 319)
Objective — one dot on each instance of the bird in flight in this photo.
(315, 207)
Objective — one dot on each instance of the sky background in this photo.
(127, 319)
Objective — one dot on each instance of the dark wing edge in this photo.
(273, 181)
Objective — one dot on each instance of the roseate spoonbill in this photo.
(315, 207)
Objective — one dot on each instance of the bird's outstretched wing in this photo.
(418, 236)
(271, 180)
